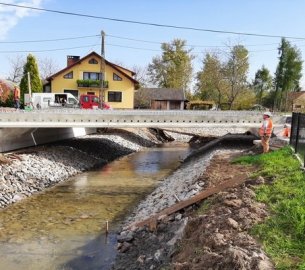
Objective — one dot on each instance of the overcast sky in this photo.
(272, 17)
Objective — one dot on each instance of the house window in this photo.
(116, 77)
(114, 96)
(91, 76)
(298, 106)
(69, 75)
(93, 61)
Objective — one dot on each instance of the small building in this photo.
(296, 101)
(94, 75)
(160, 99)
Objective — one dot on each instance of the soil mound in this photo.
(219, 238)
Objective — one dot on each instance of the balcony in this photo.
(92, 83)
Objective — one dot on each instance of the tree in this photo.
(235, 72)
(141, 75)
(174, 68)
(31, 67)
(16, 71)
(210, 80)
(245, 100)
(47, 67)
(288, 73)
(262, 83)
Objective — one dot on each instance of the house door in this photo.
(174, 105)
(159, 105)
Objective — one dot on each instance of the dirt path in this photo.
(213, 237)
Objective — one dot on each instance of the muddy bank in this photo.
(216, 238)
(35, 169)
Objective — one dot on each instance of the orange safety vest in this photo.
(266, 130)
(286, 132)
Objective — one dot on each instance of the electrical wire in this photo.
(152, 24)
(50, 50)
(199, 46)
(45, 40)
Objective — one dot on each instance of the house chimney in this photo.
(71, 59)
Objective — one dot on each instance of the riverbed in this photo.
(64, 227)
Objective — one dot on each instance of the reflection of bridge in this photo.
(131, 118)
(22, 129)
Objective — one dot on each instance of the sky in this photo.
(134, 44)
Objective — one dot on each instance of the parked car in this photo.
(92, 102)
(49, 100)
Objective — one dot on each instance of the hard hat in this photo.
(268, 114)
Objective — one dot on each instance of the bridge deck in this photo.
(130, 118)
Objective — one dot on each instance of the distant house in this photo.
(84, 76)
(296, 101)
(160, 99)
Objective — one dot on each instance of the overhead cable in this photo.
(49, 50)
(152, 24)
(45, 40)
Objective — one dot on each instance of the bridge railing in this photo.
(131, 118)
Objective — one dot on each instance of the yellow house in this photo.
(84, 76)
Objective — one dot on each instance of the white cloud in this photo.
(10, 16)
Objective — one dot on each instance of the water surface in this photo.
(64, 227)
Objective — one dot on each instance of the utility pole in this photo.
(102, 69)
(29, 84)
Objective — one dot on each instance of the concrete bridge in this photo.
(131, 118)
(20, 129)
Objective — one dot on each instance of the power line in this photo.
(108, 44)
(119, 37)
(191, 45)
(130, 47)
(152, 24)
(45, 40)
(131, 39)
(50, 50)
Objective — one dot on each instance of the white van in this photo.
(51, 100)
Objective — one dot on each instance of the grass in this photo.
(283, 233)
(204, 206)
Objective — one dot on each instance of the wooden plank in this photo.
(183, 204)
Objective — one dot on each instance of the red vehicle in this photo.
(91, 102)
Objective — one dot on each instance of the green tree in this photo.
(245, 100)
(174, 68)
(262, 83)
(288, 74)
(36, 84)
(210, 80)
(235, 72)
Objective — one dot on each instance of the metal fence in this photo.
(297, 136)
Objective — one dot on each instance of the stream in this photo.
(64, 227)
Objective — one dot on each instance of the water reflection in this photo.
(157, 160)
(63, 227)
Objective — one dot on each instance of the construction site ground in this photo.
(215, 233)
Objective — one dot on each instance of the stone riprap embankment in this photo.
(180, 185)
(35, 169)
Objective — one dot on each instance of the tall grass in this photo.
(283, 233)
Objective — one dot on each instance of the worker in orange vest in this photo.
(286, 131)
(17, 97)
(266, 131)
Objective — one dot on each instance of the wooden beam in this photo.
(183, 204)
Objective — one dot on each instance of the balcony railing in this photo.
(92, 83)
